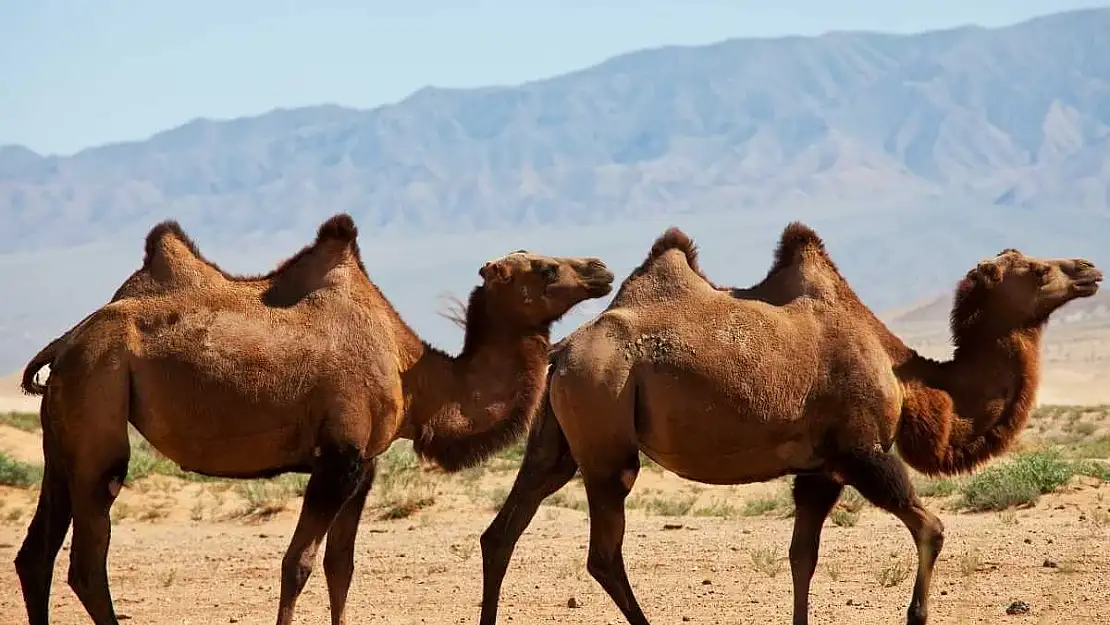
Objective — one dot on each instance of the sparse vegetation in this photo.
(970, 561)
(17, 473)
(718, 508)
(268, 497)
(935, 487)
(768, 560)
(781, 501)
(561, 499)
(1094, 447)
(26, 421)
(401, 488)
(657, 503)
(893, 573)
(1021, 480)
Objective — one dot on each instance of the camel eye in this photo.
(549, 273)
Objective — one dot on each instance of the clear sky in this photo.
(77, 73)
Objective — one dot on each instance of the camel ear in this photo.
(494, 272)
(989, 274)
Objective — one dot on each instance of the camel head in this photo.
(535, 290)
(1016, 290)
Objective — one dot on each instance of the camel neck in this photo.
(465, 408)
(960, 413)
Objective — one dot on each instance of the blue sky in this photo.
(77, 73)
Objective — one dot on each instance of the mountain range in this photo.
(913, 155)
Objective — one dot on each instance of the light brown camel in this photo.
(793, 376)
(306, 369)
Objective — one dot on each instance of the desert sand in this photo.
(187, 552)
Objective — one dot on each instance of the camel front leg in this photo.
(339, 554)
(338, 475)
(882, 479)
(814, 498)
(547, 467)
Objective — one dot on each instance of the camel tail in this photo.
(29, 384)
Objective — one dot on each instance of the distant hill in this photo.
(913, 156)
(1016, 116)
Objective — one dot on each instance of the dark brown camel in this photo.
(793, 376)
(306, 369)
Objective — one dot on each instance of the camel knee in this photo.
(295, 570)
(338, 563)
(491, 540)
(81, 578)
(600, 566)
(933, 535)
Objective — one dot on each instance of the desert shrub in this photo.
(17, 473)
(26, 421)
(1018, 481)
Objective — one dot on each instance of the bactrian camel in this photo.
(792, 376)
(306, 369)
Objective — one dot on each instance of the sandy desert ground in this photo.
(189, 551)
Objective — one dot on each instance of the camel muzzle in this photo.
(1085, 277)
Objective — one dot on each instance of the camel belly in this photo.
(706, 436)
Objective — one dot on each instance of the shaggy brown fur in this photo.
(306, 368)
(791, 376)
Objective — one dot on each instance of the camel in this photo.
(794, 376)
(306, 369)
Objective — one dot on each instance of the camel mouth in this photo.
(599, 288)
(1087, 284)
(600, 284)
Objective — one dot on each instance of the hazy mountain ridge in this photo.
(1014, 116)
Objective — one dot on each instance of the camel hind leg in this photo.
(814, 498)
(95, 446)
(547, 467)
(35, 562)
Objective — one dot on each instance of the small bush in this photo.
(842, 517)
(26, 421)
(767, 560)
(1019, 481)
(893, 574)
(17, 473)
(933, 487)
(268, 497)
